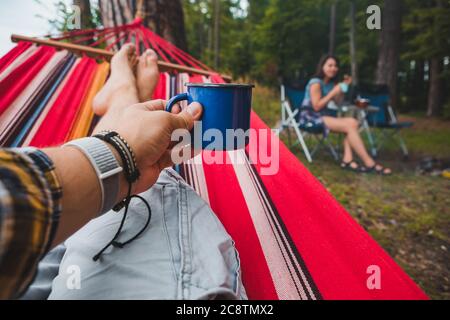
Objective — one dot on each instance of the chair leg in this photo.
(366, 128)
(381, 139)
(306, 151)
(292, 123)
(277, 131)
(373, 148)
(332, 150)
(324, 142)
(300, 139)
(317, 146)
(402, 145)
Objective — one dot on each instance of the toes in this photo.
(129, 48)
(147, 74)
(151, 55)
(127, 51)
(125, 54)
(149, 58)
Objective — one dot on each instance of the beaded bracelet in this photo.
(132, 174)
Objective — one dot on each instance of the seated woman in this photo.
(323, 89)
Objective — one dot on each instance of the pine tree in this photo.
(166, 18)
(86, 13)
(428, 30)
(389, 52)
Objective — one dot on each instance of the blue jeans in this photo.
(185, 253)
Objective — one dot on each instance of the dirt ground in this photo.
(407, 213)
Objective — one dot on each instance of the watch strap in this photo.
(105, 165)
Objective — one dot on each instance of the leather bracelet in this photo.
(126, 153)
(131, 175)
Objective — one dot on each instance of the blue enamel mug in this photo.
(226, 110)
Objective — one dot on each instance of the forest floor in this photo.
(407, 213)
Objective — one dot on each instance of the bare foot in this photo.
(147, 75)
(121, 78)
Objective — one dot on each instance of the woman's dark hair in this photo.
(319, 72)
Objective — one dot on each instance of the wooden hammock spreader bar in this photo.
(76, 48)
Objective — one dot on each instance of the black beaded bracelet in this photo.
(132, 175)
(125, 152)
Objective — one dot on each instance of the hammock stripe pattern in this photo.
(294, 239)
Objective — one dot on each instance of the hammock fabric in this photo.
(294, 239)
(7, 59)
(59, 120)
(85, 114)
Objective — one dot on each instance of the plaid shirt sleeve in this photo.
(30, 206)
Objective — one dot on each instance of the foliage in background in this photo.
(269, 41)
(427, 29)
(278, 38)
(63, 21)
(199, 15)
(283, 39)
(426, 33)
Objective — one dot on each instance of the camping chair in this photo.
(385, 119)
(289, 115)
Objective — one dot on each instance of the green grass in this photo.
(408, 214)
(267, 104)
(427, 137)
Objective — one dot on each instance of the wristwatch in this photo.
(105, 165)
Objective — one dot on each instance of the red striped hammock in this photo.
(294, 239)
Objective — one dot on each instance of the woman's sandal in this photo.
(378, 169)
(348, 166)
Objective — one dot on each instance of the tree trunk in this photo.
(354, 65)
(417, 91)
(86, 15)
(387, 67)
(435, 93)
(165, 18)
(216, 33)
(104, 11)
(86, 21)
(332, 39)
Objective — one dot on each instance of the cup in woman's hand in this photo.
(344, 87)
